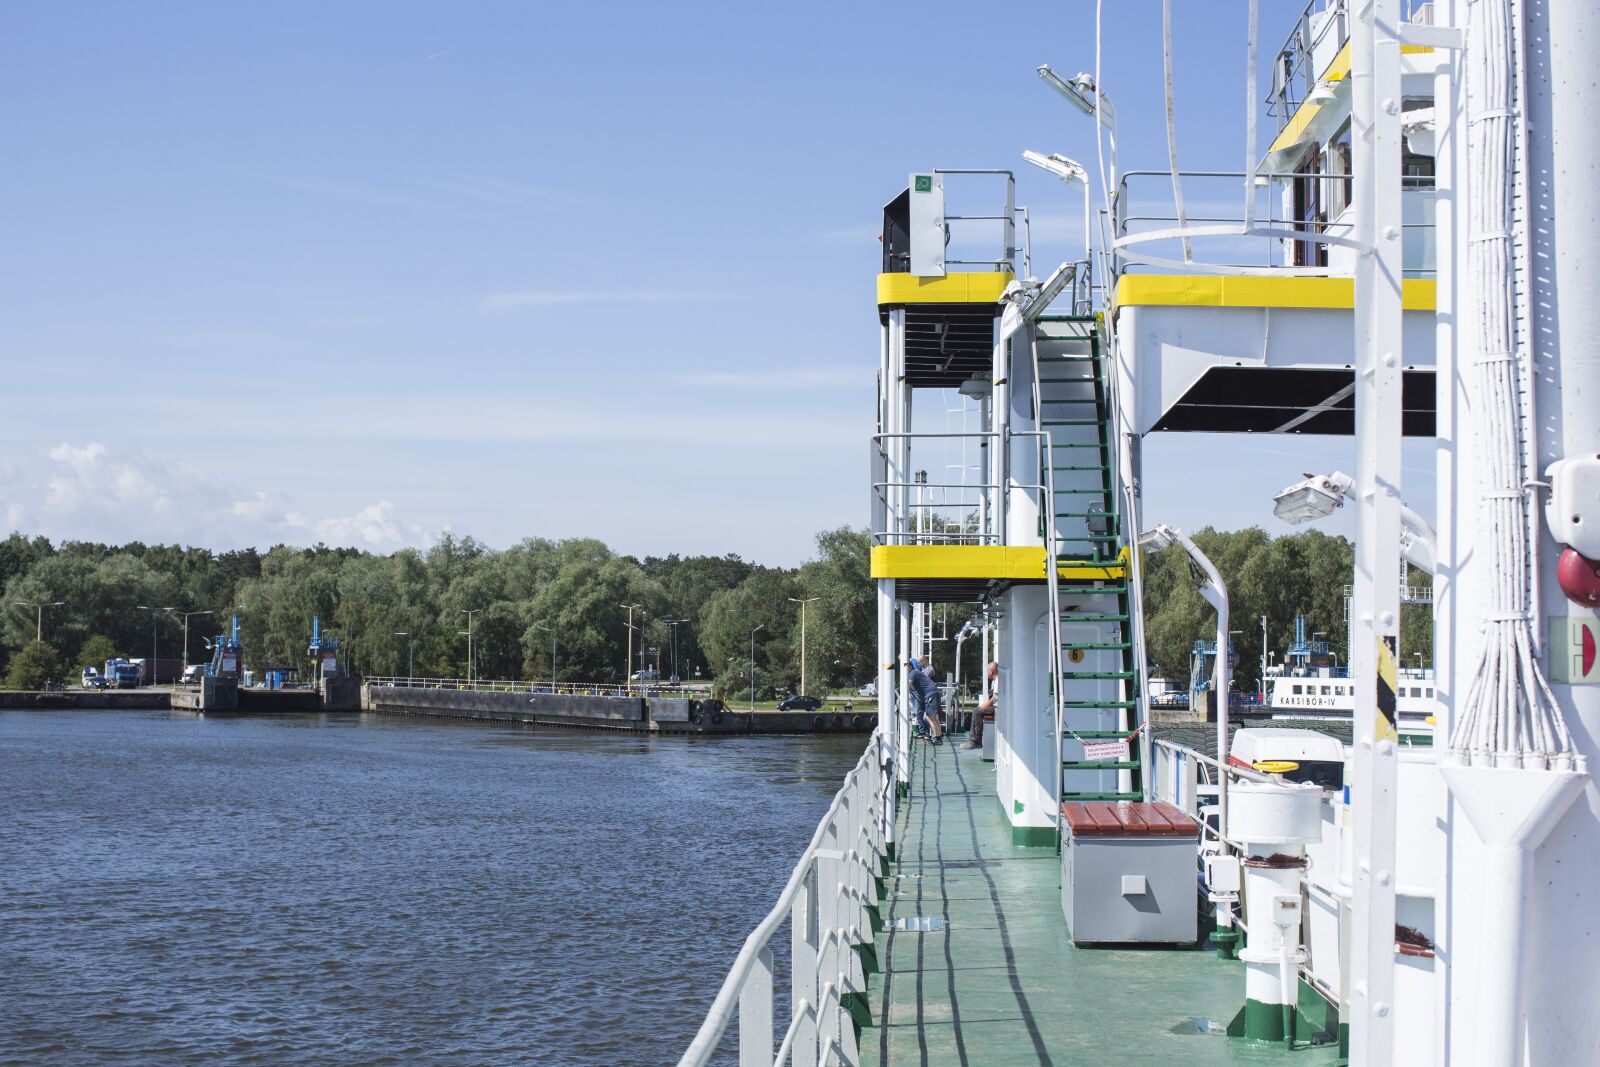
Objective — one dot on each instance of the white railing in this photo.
(827, 904)
(576, 689)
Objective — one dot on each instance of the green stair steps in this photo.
(1079, 383)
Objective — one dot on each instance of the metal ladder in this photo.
(1098, 670)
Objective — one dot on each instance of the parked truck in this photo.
(122, 673)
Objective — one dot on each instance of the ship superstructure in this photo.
(1409, 252)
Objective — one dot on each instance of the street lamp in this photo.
(472, 663)
(674, 624)
(186, 615)
(1074, 174)
(627, 664)
(1082, 93)
(552, 631)
(763, 626)
(38, 622)
(411, 650)
(1320, 495)
(1215, 592)
(155, 614)
(803, 603)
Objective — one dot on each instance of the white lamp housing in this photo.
(1317, 497)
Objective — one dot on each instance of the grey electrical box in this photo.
(1128, 873)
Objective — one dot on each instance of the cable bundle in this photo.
(1510, 717)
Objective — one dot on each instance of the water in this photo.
(364, 890)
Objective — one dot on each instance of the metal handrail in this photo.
(825, 899)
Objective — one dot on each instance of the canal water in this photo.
(352, 889)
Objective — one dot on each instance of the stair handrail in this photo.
(1134, 572)
(1052, 576)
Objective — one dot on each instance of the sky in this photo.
(363, 273)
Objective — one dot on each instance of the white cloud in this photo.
(87, 492)
(554, 297)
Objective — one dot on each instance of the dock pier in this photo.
(644, 712)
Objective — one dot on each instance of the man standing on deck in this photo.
(985, 706)
(926, 700)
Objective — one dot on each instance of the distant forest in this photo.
(577, 588)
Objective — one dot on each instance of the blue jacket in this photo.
(924, 693)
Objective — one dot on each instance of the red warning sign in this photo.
(1575, 650)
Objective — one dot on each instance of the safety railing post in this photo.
(828, 968)
(803, 982)
(755, 1014)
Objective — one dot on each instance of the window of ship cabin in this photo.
(1308, 216)
(1338, 168)
(1297, 690)
(1430, 692)
(1327, 690)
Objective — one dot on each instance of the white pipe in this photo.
(1215, 592)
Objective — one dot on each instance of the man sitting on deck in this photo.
(928, 703)
(985, 706)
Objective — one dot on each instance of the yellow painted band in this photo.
(998, 562)
(968, 288)
(1234, 290)
(1337, 71)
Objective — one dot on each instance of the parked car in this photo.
(193, 673)
(649, 674)
(93, 679)
(799, 703)
(868, 690)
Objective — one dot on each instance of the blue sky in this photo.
(364, 272)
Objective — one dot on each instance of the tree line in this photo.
(115, 600)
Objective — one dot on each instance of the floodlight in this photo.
(1079, 91)
(1317, 497)
(1321, 94)
(1067, 170)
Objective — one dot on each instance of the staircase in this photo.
(1099, 664)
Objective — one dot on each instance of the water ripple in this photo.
(349, 890)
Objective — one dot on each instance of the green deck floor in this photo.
(1002, 983)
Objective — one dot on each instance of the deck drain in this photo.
(1200, 1026)
(920, 923)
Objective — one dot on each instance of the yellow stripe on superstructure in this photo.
(996, 562)
(1236, 290)
(968, 288)
(1337, 71)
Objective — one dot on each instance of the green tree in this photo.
(31, 668)
(96, 650)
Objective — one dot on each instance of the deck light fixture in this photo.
(1320, 495)
(1080, 91)
(977, 387)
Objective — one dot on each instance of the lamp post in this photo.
(1082, 93)
(1263, 659)
(470, 613)
(1075, 175)
(763, 626)
(411, 649)
(186, 616)
(38, 620)
(552, 631)
(803, 603)
(627, 664)
(155, 615)
(674, 624)
(1215, 592)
